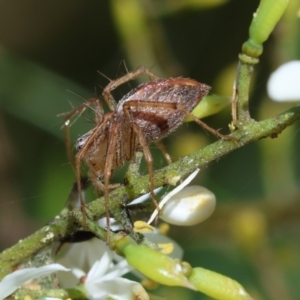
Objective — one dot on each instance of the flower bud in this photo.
(153, 264)
(264, 20)
(190, 206)
(209, 105)
(217, 286)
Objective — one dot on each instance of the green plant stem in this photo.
(60, 228)
(241, 99)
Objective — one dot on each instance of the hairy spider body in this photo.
(153, 106)
(155, 120)
(147, 113)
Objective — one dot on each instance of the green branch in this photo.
(61, 228)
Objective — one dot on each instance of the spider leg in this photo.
(79, 110)
(145, 147)
(100, 186)
(78, 159)
(176, 106)
(148, 158)
(164, 151)
(117, 82)
(205, 126)
(111, 150)
(89, 103)
(81, 155)
(67, 124)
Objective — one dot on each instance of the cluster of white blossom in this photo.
(100, 269)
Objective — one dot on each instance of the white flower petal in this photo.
(143, 198)
(111, 275)
(77, 273)
(80, 256)
(118, 272)
(83, 255)
(123, 266)
(11, 282)
(96, 249)
(284, 83)
(119, 289)
(100, 267)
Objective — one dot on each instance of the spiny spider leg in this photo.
(79, 157)
(79, 110)
(148, 158)
(89, 103)
(112, 145)
(206, 127)
(176, 106)
(161, 146)
(144, 143)
(117, 82)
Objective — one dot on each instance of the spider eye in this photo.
(80, 143)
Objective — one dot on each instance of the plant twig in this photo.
(60, 227)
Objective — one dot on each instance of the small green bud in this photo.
(153, 264)
(264, 20)
(217, 286)
(209, 105)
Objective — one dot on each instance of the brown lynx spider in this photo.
(147, 113)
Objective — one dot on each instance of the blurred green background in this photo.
(50, 53)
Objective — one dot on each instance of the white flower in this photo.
(284, 83)
(83, 255)
(103, 280)
(13, 281)
(80, 256)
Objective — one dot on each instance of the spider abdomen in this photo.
(160, 106)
